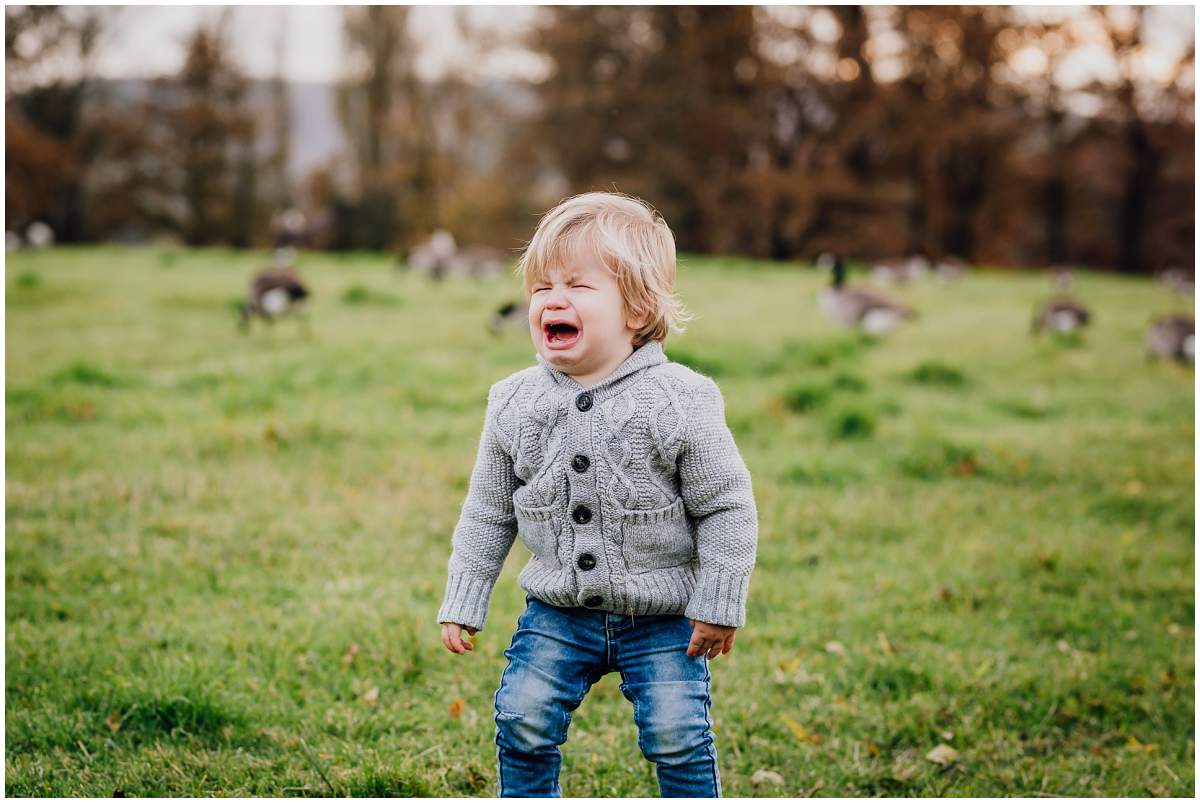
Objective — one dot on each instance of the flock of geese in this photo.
(280, 291)
(876, 314)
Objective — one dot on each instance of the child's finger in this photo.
(728, 643)
(456, 641)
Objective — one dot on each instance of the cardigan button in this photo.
(584, 402)
(587, 561)
(580, 463)
(592, 602)
(581, 515)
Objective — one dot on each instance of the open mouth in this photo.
(560, 335)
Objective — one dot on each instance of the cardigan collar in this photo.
(648, 354)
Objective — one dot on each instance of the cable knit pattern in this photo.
(631, 496)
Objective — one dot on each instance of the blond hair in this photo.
(631, 239)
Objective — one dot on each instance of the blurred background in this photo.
(1028, 136)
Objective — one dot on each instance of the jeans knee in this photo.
(672, 720)
(531, 728)
(671, 746)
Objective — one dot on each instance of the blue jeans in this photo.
(557, 654)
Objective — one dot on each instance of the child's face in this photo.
(584, 296)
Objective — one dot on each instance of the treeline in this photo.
(776, 132)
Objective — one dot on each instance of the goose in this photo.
(478, 261)
(901, 270)
(273, 293)
(1172, 336)
(1062, 277)
(1179, 280)
(950, 269)
(510, 314)
(1061, 315)
(39, 234)
(889, 272)
(872, 313)
(433, 257)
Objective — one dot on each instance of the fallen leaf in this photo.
(965, 467)
(790, 665)
(943, 754)
(872, 749)
(371, 696)
(944, 594)
(456, 708)
(348, 658)
(113, 722)
(835, 647)
(1134, 746)
(802, 733)
(904, 766)
(765, 776)
(885, 645)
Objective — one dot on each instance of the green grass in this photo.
(225, 553)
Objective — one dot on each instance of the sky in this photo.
(146, 41)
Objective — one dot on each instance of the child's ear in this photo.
(637, 321)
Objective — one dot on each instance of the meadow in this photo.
(224, 553)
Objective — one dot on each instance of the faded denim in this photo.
(557, 653)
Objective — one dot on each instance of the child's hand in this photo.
(716, 639)
(452, 637)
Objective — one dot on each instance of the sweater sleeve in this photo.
(486, 529)
(717, 493)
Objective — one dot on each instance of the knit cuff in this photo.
(719, 598)
(466, 600)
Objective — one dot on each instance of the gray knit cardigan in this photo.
(630, 495)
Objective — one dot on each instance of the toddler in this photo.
(617, 470)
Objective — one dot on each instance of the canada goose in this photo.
(433, 256)
(510, 314)
(901, 270)
(1061, 315)
(1179, 280)
(889, 272)
(950, 269)
(39, 234)
(273, 293)
(870, 312)
(1062, 277)
(475, 262)
(1172, 336)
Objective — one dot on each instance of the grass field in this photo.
(225, 553)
